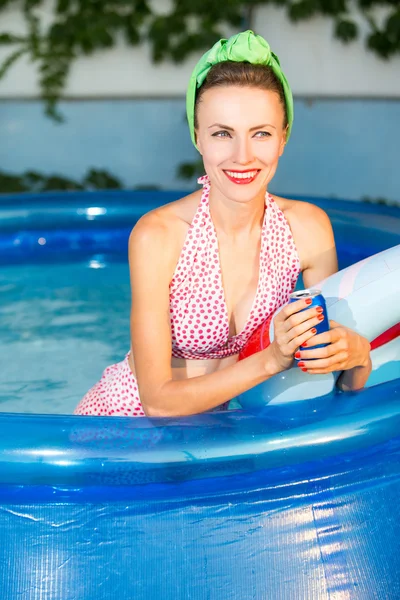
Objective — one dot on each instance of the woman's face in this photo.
(240, 136)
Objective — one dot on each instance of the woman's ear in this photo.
(198, 144)
(283, 140)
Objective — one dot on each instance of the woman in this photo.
(207, 270)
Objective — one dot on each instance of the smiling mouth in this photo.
(242, 177)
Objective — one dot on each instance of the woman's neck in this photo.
(231, 217)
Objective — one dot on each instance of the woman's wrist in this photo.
(271, 363)
(357, 377)
(365, 362)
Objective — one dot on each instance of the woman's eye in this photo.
(262, 134)
(221, 134)
(224, 134)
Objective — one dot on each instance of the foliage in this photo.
(95, 179)
(83, 27)
(190, 170)
(31, 181)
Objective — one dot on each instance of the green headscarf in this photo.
(243, 47)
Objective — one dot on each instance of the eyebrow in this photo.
(231, 128)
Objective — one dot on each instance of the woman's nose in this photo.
(243, 151)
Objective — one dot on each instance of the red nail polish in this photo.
(320, 317)
(308, 301)
(300, 364)
(313, 330)
(304, 370)
(304, 344)
(297, 355)
(320, 309)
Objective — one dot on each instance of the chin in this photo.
(243, 196)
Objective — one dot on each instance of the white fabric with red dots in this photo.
(198, 312)
(199, 317)
(116, 394)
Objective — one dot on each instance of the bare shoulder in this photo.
(163, 230)
(299, 212)
(310, 226)
(304, 218)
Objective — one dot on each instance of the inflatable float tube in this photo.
(363, 297)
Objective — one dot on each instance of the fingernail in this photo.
(300, 364)
(297, 355)
(313, 330)
(321, 317)
(304, 344)
(304, 370)
(320, 309)
(309, 301)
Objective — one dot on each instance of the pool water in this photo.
(60, 326)
(65, 292)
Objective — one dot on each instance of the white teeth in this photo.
(238, 175)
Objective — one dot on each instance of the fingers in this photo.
(333, 324)
(340, 353)
(302, 328)
(337, 361)
(335, 345)
(332, 347)
(328, 337)
(295, 324)
(332, 336)
(291, 319)
(302, 340)
(334, 357)
(324, 371)
(294, 307)
(290, 342)
(298, 327)
(297, 318)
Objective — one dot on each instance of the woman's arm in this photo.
(316, 242)
(355, 378)
(348, 351)
(154, 248)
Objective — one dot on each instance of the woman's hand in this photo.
(346, 350)
(293, 326)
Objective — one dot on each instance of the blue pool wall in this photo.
(295, 502)
(340, 147)
(64, 226)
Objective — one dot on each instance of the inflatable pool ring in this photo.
(363, 297)
(386, 337)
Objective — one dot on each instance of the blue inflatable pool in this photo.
(291, 502)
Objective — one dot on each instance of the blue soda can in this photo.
(317, 300)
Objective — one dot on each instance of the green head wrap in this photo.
(243, 47)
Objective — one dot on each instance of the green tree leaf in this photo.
(82, 27)
(346, 30)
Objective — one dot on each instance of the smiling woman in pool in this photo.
(207, 270)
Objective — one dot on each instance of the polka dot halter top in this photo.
(198, 312)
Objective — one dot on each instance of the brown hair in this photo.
(242, 74)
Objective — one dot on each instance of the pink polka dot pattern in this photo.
(116, 394)
(198, 312)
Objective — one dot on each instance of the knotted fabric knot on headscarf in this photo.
(243, 47)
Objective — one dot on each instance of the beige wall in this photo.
(316, 64)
